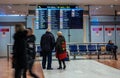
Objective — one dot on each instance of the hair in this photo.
(19, 27)
(109, 41)
(48, 30)
(30, 29)
(59, 33)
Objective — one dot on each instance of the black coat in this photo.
(31, 46)
(111, 46)
(19, 49)
(47, 43)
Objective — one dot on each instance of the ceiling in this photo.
(77, 2)
(97, 7)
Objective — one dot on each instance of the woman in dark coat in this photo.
(19, 51)
(61, 50)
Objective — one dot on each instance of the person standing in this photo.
(19, 51)
(60, 48)
(47, 44)
(31, 51)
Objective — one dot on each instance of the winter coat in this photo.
(19, 49)
(111, 47)
(47, 43)
(61, 48)
(31, 46)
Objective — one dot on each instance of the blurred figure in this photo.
(61, 53)
(31, 51)
(113, 48)
(19, 51)
(47, 45)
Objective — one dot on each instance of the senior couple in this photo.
(48, 44)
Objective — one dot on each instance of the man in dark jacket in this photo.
(19, 51)
(47, 45)
(112, 48)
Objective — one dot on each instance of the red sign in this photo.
(4, 30)
(118, 29)
(97, 29)
(109, 29)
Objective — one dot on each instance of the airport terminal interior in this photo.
(87, 26)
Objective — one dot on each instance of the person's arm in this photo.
(32, 39)
(63, 43)
(107, 47)
(14, 46)
(115, 47)
(53, 42)
(58, 43)
(41, 41)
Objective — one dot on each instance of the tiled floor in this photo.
(75, 69)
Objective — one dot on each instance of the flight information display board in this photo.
(59, 17)
(54, 18)
(65, 17)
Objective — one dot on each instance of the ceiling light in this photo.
(116, 0)
(118, 13)
(97, 8)
(13, 11)
(9, 7)
(100, 6)
(111, 6)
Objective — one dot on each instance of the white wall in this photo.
(4, 40)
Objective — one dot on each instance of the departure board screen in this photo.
(65, 17)
(54, 18)
(59, 17)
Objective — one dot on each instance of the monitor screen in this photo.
(59, 17)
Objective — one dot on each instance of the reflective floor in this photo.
(7, 72)
(83, 69)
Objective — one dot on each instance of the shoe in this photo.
(59, 68)
(49, 68)
(116, 59)
(64, 67)
(44, 67)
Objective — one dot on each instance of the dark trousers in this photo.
(20, 72)
(47, 57)
(60, 63)
(30, 66)
(115, 54)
